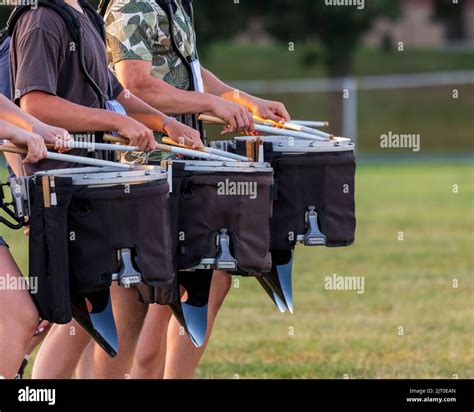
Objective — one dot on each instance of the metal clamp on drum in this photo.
(224, 260)
(313, 235)
(19, 207)
(128, 276)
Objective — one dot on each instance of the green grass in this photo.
(407, 283)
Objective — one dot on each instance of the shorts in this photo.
(2, 242)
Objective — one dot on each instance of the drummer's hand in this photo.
(33, 142)
(138, 134)
(183, 134)
(267, 109)
(238, 117)
(53, 135)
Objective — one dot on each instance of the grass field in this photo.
(408, 283)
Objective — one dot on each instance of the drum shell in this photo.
(105, 220)
(202, 212)
(325, 180)
(73, 247)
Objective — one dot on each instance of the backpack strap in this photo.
(72, 22)
(95, 17)
(74, 26)
(3, 35)
(102, 8)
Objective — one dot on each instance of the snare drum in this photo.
(91, 226)
(223, 211)
(314, 181)
(313, 202)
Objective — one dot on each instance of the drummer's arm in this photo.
(14, 115)
(73, 117)
(141, 111)
(265, 109)
(135, 75)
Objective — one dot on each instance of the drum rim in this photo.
(218, 166)
(108, 176)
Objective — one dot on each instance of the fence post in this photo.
(349, 108)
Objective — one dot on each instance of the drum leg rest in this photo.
(192, 314)
(100, 322)
(278, 284)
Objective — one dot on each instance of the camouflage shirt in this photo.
(140, 30)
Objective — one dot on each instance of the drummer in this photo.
(19, 318)
(150, 67)
(48, 82)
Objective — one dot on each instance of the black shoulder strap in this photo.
(95, 17)
(3, 35)
(102, 8)
(72, 22)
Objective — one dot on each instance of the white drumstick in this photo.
(310, 123)
(69, 158)
(292, 126)
(291, 133)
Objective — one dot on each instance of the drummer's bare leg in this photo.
(129, 317)
(182, 357)
(18, 318)
(150, 355)
(60, 352)
(85, 367)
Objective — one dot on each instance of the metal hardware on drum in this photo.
(19, 207)
(313, 235)
(224, 260)
(19, 187)
(100, 177)
(128, 276)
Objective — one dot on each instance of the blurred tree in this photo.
(219, 20)
(452, 15)
(335, 31)
(339, 29)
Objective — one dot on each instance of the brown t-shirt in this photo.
(45, 58)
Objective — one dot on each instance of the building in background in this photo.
(418, 26)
